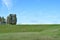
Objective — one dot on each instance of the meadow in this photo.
(30, 32)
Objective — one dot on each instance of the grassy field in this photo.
(30, 32)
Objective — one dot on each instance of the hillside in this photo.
(30, 32)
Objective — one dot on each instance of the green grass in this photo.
(30, 32)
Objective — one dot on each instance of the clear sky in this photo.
(32, 11)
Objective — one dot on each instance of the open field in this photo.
(30, 32)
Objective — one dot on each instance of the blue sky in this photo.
(32, 11)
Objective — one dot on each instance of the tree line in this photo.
(11, 19)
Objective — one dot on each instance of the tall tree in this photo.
(7, 19)
(12, 19)
(3, 20)
(0, 20)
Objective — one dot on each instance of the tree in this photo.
(0, 20)
(3, 20)
(7, 19)
(12, 19)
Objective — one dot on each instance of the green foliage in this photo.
(0, 19)
(12, 19)
(3, 20)
(8, 20)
